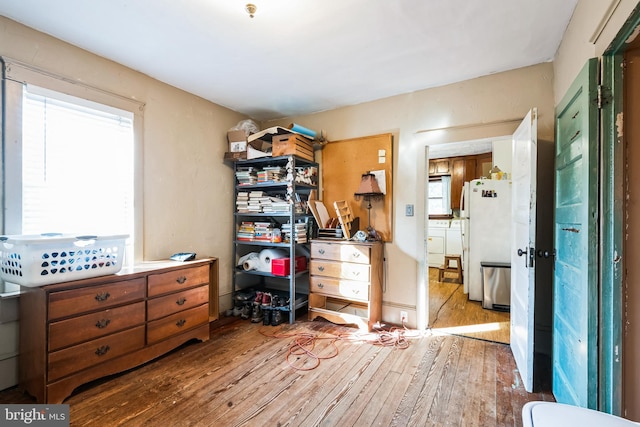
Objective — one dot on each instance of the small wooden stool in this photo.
(447, 268)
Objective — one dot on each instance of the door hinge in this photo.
(604, 96)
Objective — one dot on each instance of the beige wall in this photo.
(594, 25)
(483, 107)
(188, 190)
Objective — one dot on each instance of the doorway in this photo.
(450, 308)
(619, 376)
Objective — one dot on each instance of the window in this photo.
(72, 170)
(439, 192)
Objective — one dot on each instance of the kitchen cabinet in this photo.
(439, 167)
(463, 170)
(484, 165)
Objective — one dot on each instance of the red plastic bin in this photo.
(282, 266)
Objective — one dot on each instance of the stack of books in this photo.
(274, 204)
(272, 174)
(299, 232)
(263, 231)
(255, 201)
(246, 231)
(246, 175)
(242, 202)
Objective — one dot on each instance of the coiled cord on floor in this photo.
(303, 344)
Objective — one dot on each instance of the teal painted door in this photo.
(575, 293)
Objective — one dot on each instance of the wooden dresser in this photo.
(346, 282)
(75, 332)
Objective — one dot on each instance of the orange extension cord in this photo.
(303, 344)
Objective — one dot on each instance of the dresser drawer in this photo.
(340, 270)
(176, 323)
(76, 358)
(338, 252)
(178, 279)
(173, 303)
(65, 333)
(97, 297)
(340, 288)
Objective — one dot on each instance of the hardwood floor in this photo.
(451, 311)
(241, 377)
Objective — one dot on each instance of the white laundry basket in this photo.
(37, 260)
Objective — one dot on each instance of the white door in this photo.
(523, 245)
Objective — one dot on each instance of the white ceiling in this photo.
(304, 56)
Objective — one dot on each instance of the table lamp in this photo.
(369, 190)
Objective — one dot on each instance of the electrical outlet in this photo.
(404, 318)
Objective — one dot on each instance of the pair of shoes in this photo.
(266, 299)
(267, 313)
(237, 310)
(258, 299)
(277, 318)
(246, 312)
(256, 314)
(244, 296)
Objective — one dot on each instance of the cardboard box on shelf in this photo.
(258, 148)
(235, 156)
(237, 141)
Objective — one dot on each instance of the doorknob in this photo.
(528, 261)
(544, 254)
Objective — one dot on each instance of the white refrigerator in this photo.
(488, 236)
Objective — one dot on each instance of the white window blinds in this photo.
(77, 166)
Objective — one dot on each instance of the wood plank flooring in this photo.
(451, 311)
(241, 377)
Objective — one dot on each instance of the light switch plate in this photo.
(408, 210)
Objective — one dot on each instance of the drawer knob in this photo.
(181, 279)
(181, 301)
(101, 324)
(321, 251)
(180, 323)
(320, 285)
(356, 255)
(102, 350)
(356, 291)
(102, 296)
(321, 268)
(355, 273)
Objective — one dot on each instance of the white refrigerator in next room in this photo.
(488, 233)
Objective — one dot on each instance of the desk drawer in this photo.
(360, 254)
(173, 303)
(340, 288)
(176, 323)
(177, 280)
(340, 270)
(84, 328)
(79, 357)
(96, 297)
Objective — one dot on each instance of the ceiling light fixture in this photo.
(251, 9)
